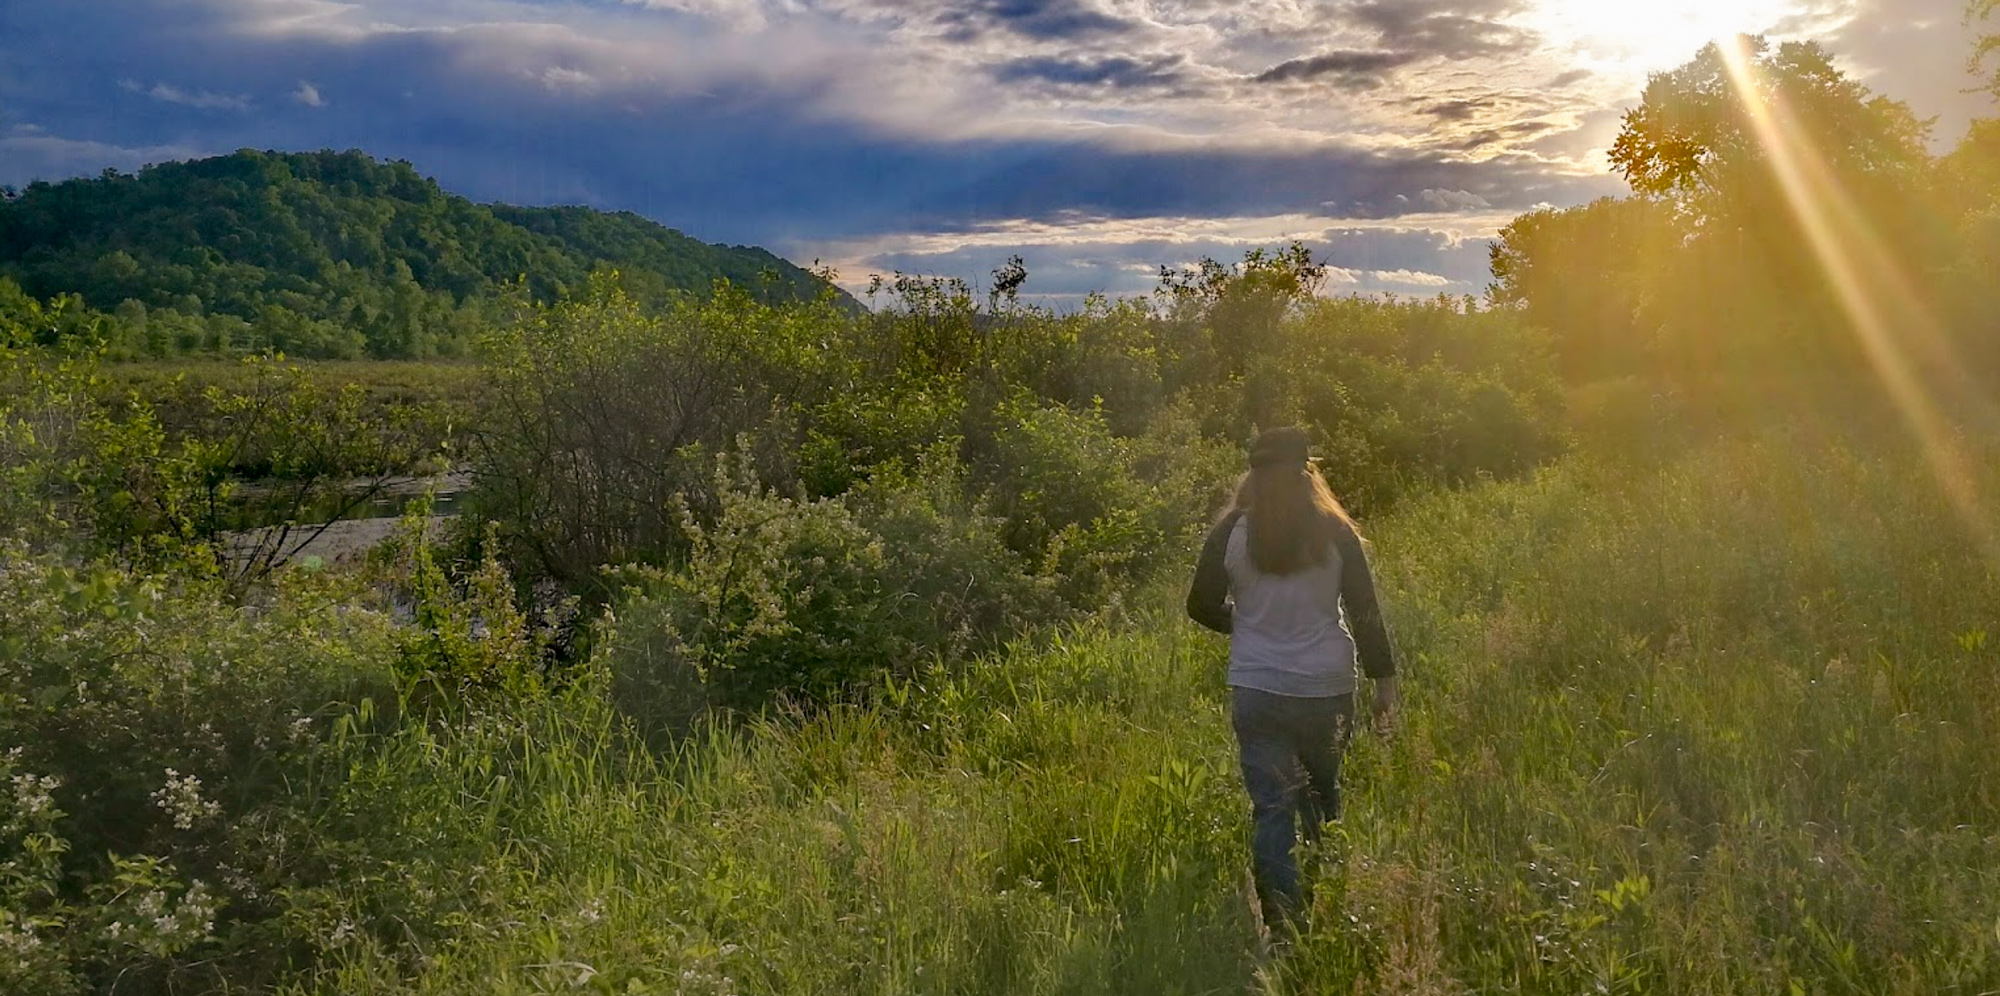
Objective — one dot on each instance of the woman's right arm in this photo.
(1364, 611)
(1208, 596)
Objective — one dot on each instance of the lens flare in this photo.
(1899, 333)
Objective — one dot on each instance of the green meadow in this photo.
(777, 644)
(1717, 723)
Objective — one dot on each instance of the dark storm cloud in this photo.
(1446, 28)
(733, 163)
(1041, 20)
(1048, 182)
(1408, 32)
(1349, 68)
(1113, 71)
(1457, 110)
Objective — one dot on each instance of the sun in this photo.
(1655, 33)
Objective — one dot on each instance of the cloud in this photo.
(1448, 28)
(27, 154)
(1453, 200)
(1414, 279)
(1916, 50)
(564, 78)
(1409, 33)
(1456, 110)
(1069, 262)
(1111, 71)
(1351, 68)
(1042, 20)
(197, 98)
(867, 127)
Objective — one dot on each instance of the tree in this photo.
(1790, 182)
(1704, 133)
(1988, 45)
(310, 234)
(1241, 305)
(1539, 262)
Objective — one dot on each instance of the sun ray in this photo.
(1885, 311)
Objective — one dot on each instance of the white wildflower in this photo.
(34, 794)
(181, 798)
(198, 908)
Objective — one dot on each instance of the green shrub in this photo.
(850, 435)
(599, 415)
(785, 598)
(1061, 484)
(81, 472)
(156, 738)
(1409, 396)
(467, 634)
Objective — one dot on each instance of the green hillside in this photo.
(332, 253)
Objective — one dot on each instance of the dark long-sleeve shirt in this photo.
(1299, 634)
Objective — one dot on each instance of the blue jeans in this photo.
(1291, 750)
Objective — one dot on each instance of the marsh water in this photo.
(340, 523)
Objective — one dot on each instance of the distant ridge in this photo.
(342, 241)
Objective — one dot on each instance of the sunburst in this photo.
(1656, 33)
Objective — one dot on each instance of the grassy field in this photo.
(386, 381)
(1724, 723)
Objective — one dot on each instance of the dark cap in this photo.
(1280, 447)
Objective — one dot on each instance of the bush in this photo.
(153, 738)
(812, 600)
(1414, 395)
(1063, 484)
(82, 473)
(599, 416)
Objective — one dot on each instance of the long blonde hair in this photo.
(1293, 517)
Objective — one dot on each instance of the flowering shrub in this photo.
(150, 736)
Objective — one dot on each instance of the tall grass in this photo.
(1722, 725)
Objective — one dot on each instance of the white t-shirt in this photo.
(1290, 635)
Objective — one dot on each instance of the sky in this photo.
(1097, 139)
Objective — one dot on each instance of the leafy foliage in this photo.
(154, 740)
(80, 471)
(331, 254)
(812, 601)
(602, 415)
(875, 691)
(1784, 218)
(1698, 133)
(1977, 11)
(1639, 755)
(994, 433)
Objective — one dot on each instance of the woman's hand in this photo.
(1382, 713)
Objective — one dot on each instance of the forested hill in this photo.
(332, 253)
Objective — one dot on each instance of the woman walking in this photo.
(1286, 577)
